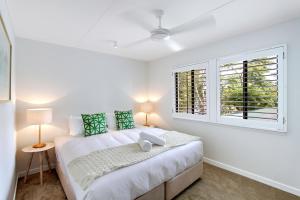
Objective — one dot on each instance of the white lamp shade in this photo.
(147, 107)
(39, 116)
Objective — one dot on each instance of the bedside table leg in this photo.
(28, 167)
(41, 167)
(48, 161)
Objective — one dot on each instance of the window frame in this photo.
(280, 125)
(213, 114)
(190, 116)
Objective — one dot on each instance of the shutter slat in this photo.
(267, 75)
(242, 101)
(235, 71)
(251, 117)
(254, 86)
(249, 67)
(258, 107)
(258, 97)
(260, 81)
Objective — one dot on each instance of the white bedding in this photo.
(129, 182)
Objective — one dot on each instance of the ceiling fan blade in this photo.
(173, 45)
(201, 22)
(136, 43)
(138, 20)
(206, 19)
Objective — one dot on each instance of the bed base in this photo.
(165, 191)
(65, 183)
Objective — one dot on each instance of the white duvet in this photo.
(129, 182)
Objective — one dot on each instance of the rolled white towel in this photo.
(145, 145)
(153, 138)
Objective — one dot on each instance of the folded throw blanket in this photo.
(159, 140)
(85, 169)
(145, 145)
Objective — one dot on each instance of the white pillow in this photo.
(111, 121)
(76, 127)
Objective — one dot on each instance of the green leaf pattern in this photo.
(124, 119)
(94, 124)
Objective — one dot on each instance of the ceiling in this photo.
(94, 24)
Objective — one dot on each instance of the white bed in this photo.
(129, 182)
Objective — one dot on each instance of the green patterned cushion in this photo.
(94, 124)
(124, 119)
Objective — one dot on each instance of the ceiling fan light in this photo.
(160, 34)
(167, 37)
(174, 45)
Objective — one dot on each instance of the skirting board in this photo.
(253, 176)
(35, 170)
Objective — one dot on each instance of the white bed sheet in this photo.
(129, 182)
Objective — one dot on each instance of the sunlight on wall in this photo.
(141, 99)
(154, 97)
(39, 99)
(153, 117)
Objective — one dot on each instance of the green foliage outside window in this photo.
(261, 86)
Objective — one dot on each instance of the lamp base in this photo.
(146, 125)
(40, 145)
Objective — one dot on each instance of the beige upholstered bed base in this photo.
(165, 191)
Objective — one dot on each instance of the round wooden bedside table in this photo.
(40, 152)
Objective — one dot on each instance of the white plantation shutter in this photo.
(246, 90)
(190, 91)
(251, 89)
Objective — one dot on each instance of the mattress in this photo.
(129, 182)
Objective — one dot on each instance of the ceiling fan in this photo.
(161, 34)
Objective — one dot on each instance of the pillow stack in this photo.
(97, 123)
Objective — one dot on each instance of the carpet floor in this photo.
(216, 184)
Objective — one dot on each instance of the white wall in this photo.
(276, 158)
(7, 127)
(71, 81)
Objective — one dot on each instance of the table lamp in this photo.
(147, 107)
(39, 116)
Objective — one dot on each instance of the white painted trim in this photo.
(256, 177)
(212, 80)
(189, 116)
(35, 170)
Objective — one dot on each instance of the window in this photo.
(251, 90)
(190, 95)
(247, 90)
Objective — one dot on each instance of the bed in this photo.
(160, 177)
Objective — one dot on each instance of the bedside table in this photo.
(40, 152)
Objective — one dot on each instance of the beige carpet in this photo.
(216, 184)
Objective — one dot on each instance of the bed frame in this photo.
(165, 191)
